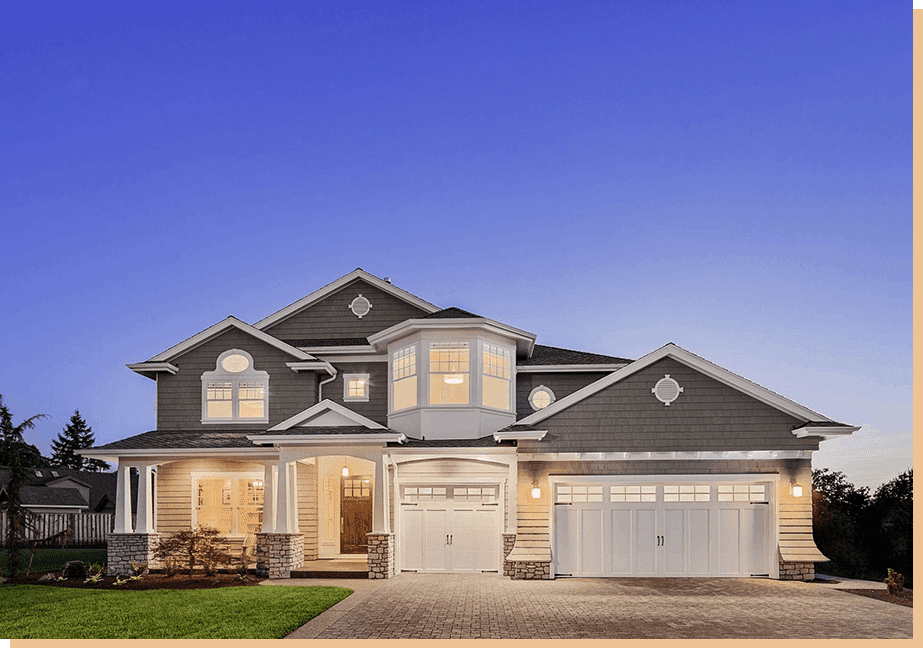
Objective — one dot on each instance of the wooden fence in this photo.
(88, 528)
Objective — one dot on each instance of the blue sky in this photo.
(612, 176)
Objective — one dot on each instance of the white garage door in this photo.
(450, 528)
(663, 529)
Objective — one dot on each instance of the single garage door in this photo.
(668, 528)
(450, 528)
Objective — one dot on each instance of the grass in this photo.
(262, 612)
(53, 559)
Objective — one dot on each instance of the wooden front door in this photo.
(355, 514)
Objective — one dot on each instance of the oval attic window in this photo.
(235, 363)
(541, 397)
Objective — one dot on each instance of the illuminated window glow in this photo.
(231, 504)
(496, 378)
(235, 391)
(448, 373)
(355, 387)
(404, 378)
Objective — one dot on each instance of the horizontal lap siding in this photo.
(331, 317)
(307, 508)
(376, 408)
(174, 489)
(179, 396)
(561, 384)
(708, 415)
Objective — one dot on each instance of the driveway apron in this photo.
(431, 606)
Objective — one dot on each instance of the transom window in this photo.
(483, 494)
(633, 493)
(742, 493)
(687, 493)
(235, 391)
(448, 373)
(356, 387)
(579, 493)
(497, 374)
(404, 378)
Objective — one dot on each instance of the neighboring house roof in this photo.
(549, 355)
(42, 496)
(102, 485)
(334, 286)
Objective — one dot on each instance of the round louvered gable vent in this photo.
(360, 306)
(666, 390)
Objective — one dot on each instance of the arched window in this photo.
(235, 392)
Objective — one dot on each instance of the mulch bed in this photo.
(904, 597)
(147, 582)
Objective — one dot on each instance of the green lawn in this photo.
(53, 559)
(261, 612)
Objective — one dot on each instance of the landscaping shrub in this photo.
(202, 546)
(74, 569)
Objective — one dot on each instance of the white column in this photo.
(145, 515)
(293, 497)
(282, 499)
(387, 495)
(512, 513)
(123, 500)
(269, 498)
(379, 503)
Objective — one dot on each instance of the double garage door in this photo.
(665, 528)
(450, 528)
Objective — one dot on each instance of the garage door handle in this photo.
(450, 539)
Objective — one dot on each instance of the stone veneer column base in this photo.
(381, 555)
(124, 548)
(530, 570)
(509, 539)
(278, 554)
(803, 571)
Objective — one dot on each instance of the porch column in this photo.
(284, 499)
(269, 498)
(123, 500)
(380, 522)
(512, 506)
(293, 497)
(145, 516)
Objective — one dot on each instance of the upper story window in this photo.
(404, 378)
(235, 392)
(355, 387)
(496, 378)
(448, 373)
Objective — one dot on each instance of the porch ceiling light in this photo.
(257, 483)
(345, 471)
(453, 379)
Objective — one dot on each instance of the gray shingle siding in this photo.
(331, 317)
(377, 406)
(562, 384)
(708, 415)
(179, 396)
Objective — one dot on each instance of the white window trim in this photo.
(541, 388)
(364, 377)
(449, 344)
(249, 375)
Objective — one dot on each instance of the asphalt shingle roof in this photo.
(102, 484)
(549, 355)
(43, 496)
(315, 342)
(451, 313)
(181, 439)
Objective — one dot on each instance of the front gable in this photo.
(328, 315)
(708, 415)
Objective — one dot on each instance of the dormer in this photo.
(452, 374)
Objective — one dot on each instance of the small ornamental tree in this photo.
(202, 546)
(18, 517)
(76, 435)
(12, 443)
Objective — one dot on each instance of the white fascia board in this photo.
(525, 435)
(729, 455)
(222, 326)
(377, 357)
(331, 288)
(145, 368)
(321, 407)
(525, 341)
(311, 365)
(826, 432)
(402, 455)
(329, 439)
(342, 350)
(691, 360)
(571, 368)
(172, 454)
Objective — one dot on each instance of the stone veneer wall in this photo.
(381, 555)
(277, 554)
(123, 548)
(509, 539)
(803, 571)
(531, 570)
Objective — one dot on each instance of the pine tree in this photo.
(76, 435)
(18, 517)
(12, 444)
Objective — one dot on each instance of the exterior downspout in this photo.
(320, 387)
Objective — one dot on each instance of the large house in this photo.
(362, 419)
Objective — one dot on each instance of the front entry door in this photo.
(355, 514)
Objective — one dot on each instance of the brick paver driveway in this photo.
(488, 606)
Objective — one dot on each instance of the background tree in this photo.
(12, 443)
(840, 521)
(891, 527)
(76, 435)
(18, 517)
